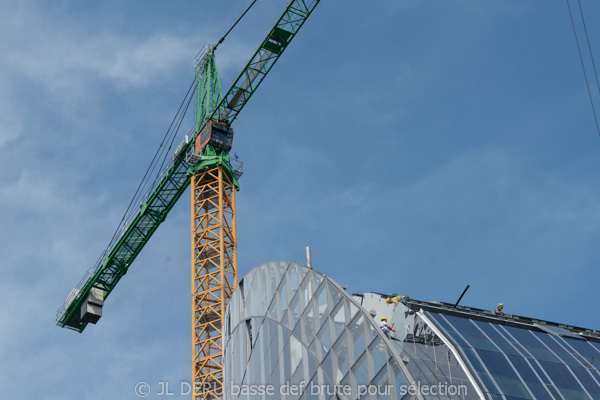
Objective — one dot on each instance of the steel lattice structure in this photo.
(214, 275)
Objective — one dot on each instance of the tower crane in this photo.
(201, 160)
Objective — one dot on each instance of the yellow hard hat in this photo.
(382, 318)
(387, 301)
(500, 305)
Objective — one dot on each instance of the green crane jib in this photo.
(84, 303)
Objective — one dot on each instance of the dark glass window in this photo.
(560, 375)
(489, 330)
(585, 348)
(512, 388)
(540, 372)
(496, 363)
(524, 336)
(480, 343)
(586, 379)
(523, 368)
(464, 326)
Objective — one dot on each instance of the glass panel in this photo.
(357, 331)
(496, 363)
(379, 354)
(560, 375)
(523, 336)
(247, 283)
(340, 349)
(322, 304)
(283, 294)
(480, 343)
(309, 367)
(338, 317)
(324, 337)
(335, 294)
(298, 330)
(352, 308)
(464, 326)
(586, 380)
(274, 309)
(573, 394)
(294, 282)
(275, 351)
(477, 366)
(539, 391)
(302, 272)
(328, 365)
(508, 348)
(542, 354)
(271, 281)
(285, 321)
(489, 330)
(347, 388)
(294, 311)
(276, 378)
(372, 331)
(326, 389)
(489, 383)
(553, 392)
(534, 364)
(247, 311)
(298, 379)
(281, 267)
(234, 304)
(523, 368)
(295, 353)
(361, 371)
(285, 361)
(306, 291)
(317, 349)
(512, 387)
(439, 319)
(308, 325)
(273, 329)
(399, 381)
(263, 299)
(584, 348)
(254, 294)
(382, 382)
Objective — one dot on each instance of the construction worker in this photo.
(500, 309)
(397, 299)
(385, 327)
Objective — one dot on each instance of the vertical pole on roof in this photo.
(461, 296)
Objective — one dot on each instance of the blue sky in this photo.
(416, 146)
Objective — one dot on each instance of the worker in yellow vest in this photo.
(397, 299)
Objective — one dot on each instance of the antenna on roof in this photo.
(461, 296)
(308, 260)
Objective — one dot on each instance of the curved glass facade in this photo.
(528, 362)
(293, 333)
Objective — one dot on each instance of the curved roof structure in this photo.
(293, 333)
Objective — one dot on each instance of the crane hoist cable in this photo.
(589, 45)
(583, 67)
(233, 26)
(169, 136)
